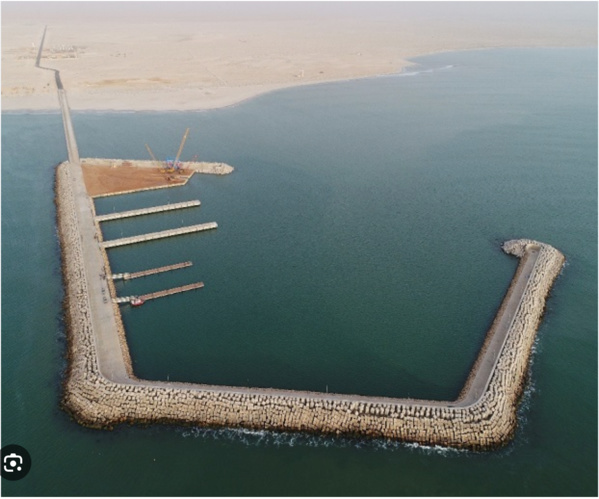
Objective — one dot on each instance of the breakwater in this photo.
(101, 396)
(101, 389)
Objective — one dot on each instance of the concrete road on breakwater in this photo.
(105, 326)
(481, 377)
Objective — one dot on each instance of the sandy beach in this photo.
(115, 56)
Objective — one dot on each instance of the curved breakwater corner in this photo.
(102, 391)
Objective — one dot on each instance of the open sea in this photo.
(358, 251)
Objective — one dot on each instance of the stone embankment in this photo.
(210, 168)
(97, 401)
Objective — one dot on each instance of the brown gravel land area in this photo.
(102, 180)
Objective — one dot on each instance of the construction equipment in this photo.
(158, 163)
(173, 165)
(176, 164)
(152, 155)
(170, 165)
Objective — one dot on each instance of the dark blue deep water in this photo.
(358, 251)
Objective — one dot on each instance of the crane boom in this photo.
(181, 146)
(152, 154)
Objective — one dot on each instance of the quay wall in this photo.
(98, 402)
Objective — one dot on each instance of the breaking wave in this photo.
(254, 438)
(425, 71)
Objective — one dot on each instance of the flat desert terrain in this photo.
(196, 55)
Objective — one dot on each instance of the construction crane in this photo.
(176, 163)
(170, 165)
(152, 155)
(158, 163)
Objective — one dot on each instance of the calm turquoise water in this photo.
(357, 251)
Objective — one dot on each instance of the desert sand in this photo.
(150, 56)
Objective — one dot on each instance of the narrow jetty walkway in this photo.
(147, 211)
(69, 132)
(172, 291)
(159, 235)
(160, 294)
(158, 270)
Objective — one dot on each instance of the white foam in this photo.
(253, 438)
(425, 71)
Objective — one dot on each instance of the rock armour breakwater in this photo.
(99, 400)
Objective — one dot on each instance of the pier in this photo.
(143, 273)
(172, 291)
(158, 235)
(160, 294)
(147, 211)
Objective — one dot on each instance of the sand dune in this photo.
(202, 57)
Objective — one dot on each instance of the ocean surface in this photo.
(358, 251)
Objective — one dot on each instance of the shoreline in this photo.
(261, 90)
(234, 101)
